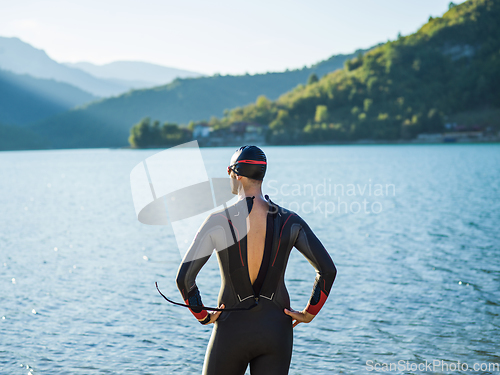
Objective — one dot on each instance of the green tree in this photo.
(367, 104)
(144, 134)
(353, 64)
(140, 134)
(321, 113)
(263, 102)
(313, 78)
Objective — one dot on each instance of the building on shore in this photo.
(201, 131)
(457, 133)
(238, 133)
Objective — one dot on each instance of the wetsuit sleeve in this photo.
(197, 255)
(314, 251)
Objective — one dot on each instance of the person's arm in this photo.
(197, 255)
(314, 251)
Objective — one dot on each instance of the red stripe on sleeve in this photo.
(201, 315)
(314, 309)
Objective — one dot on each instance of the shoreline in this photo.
(367, 142)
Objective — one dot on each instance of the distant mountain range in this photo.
(136, 74)
(107, 123)
(103, 81)
(21, 58)
(25, 99)
(396, 90)
(61, 111)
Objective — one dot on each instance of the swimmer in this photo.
(257, 328)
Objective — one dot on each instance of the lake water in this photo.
(418, 265)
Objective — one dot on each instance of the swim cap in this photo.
(249, 161)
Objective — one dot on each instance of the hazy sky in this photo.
(227, 37)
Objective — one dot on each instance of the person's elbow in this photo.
(334, 271)
(181, 278)
(331, 271)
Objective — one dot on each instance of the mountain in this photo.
(448, 71)
(21, 58)
(107, 123)
(135, 74)
(25, 99)
(18, 138)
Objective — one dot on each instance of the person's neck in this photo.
(254, 191)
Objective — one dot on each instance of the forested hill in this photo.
(25, 99)
(107, 123)
(414, 84)
(19, 138)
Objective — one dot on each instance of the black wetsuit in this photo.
(261, 336)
